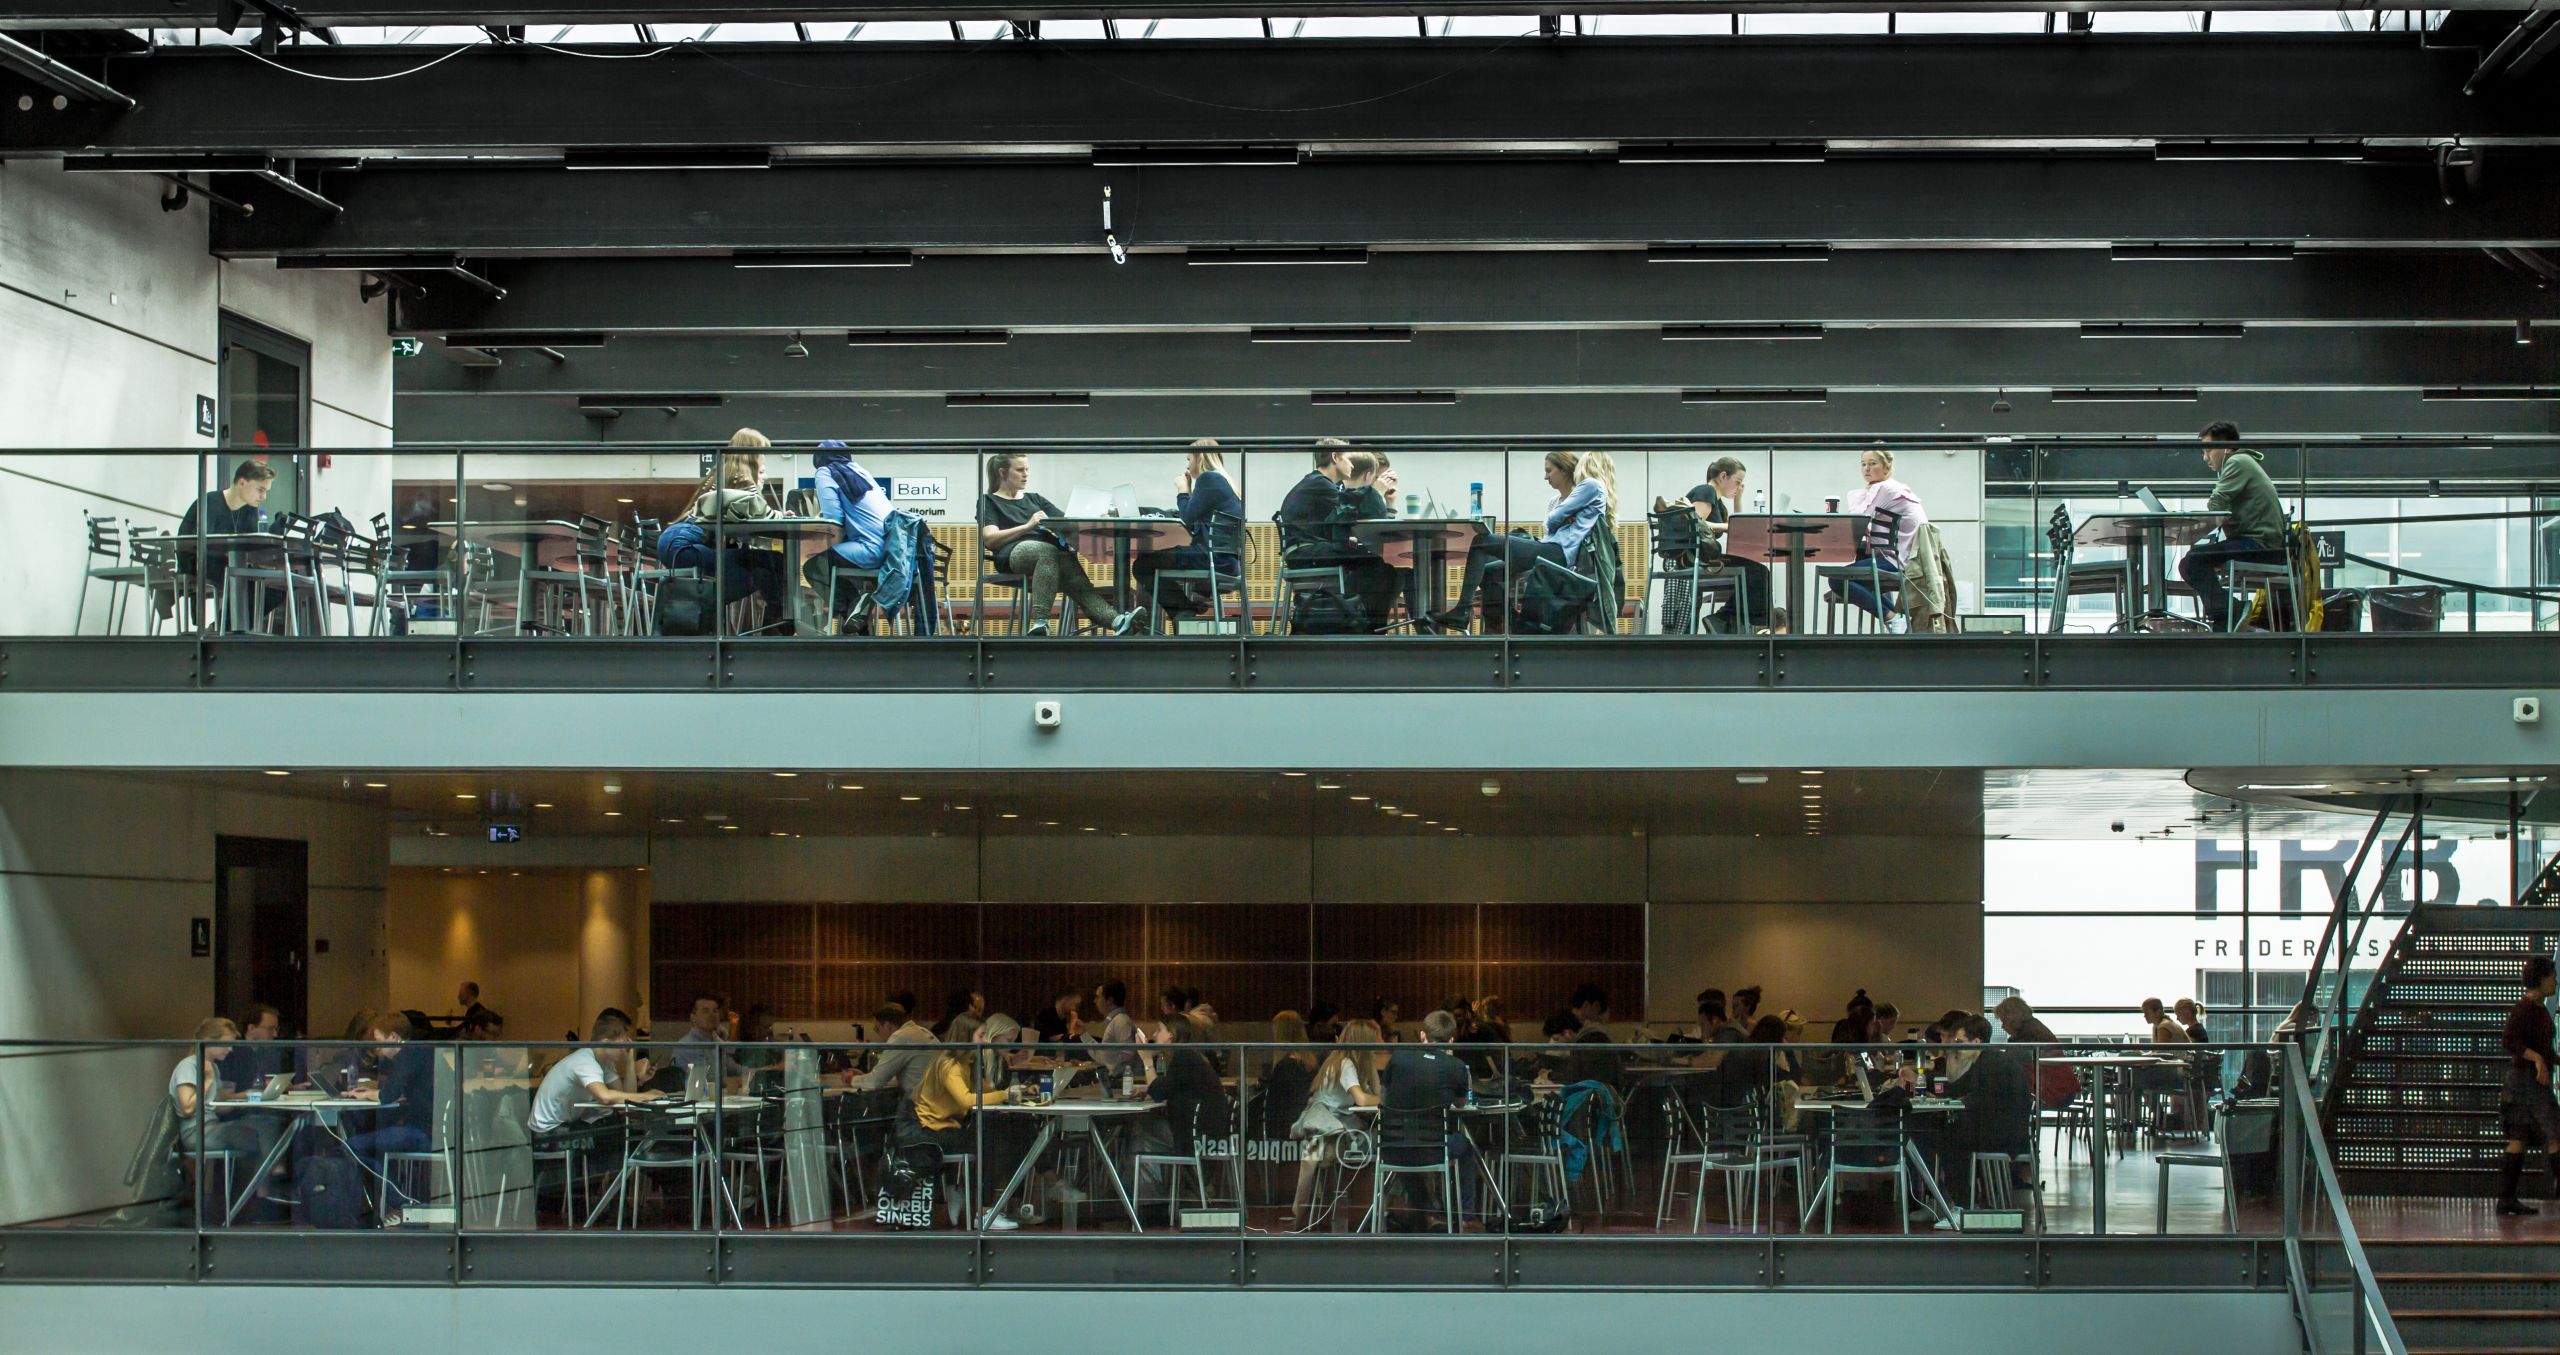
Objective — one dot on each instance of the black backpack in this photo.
(1553, 601)
(328, 1192)
(907, 1190)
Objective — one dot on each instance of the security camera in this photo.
(2116, 827)
(2528, 710)
(1048, 714)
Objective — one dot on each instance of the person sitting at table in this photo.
(733, 492)
(757, 1056)
(1213, 513)
(2155, 1018)
(859, 505)
(2253, 527)
(706, 1027)
(1886, 1027)
(902, 1064)
(406, 1093)
(257, 1057)
(961, 1002)
(1348, 1077)
(196, 1085)
(1713, 500)
(580, 1088)
(1752, 1067)
(1386, 1014)
(1494, 563)
(1115, 1046)
(2021, 1024)
(1061, 1022)
(953, 1088)
(1880, 493)
(1315, 533)
(235, 508)
(1282, 1093)
(1427, 1080)
(2191, 1020)
(1187, 1087)
(1998, 1092)
(1012, 526)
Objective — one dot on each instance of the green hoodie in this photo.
(2247, 499)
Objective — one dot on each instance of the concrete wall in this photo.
(549, 948)
(99, 876)
(109, 315)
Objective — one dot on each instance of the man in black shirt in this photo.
(1998, 1096)
(1425, 1079)
(1059, 1022)
(1315, 533)
(2524, 1104)
(221, 512)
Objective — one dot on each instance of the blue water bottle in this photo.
(1475, 499)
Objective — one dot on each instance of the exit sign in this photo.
(407, 348)
(506, 832)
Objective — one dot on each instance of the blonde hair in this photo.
(216, 1028)
(1881, 453)
(1364, 464)
(1288, 1028)
(734, 470)
(1362, 1061)
(1598, 466)
(748, 437)
(1205, 456)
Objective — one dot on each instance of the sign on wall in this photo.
(204, 416)
(917, 488)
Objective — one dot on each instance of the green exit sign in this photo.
(407, 348)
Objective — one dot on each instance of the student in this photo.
(1348, 1077)
(236, 508)
(1714, 1025)
(950, 1091)
(850, 497)
(902, 1065)
(733, 492)
(1714, 500)
(407, 1093)
(2191, 1020)
(1494, 563)
(1187, 1087)
(1214, 515)
(1998, 1095)
(1425, 1081)
(257, 1058)
(2021, 1024)
(1315, 533)
(1880, 493)
(193, 1091)
(961, 1002)
(2525, 1107)
(2252, 521)
(1115, 1049)
(579, 1088)
(706, 1026)
(2155, 1016)
(1061, 1021)
(1011, 527)
(467, 997)
(1746, 1005)
(1282, 1095)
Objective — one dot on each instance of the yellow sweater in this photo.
(943, 1099)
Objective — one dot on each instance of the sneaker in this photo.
(2514, 1206)
(1133, 619)
(1036, 628)
(993, 1222)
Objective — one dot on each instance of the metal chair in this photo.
(660, 1143)
(586, 589)
(1740, 1148)
(1883, 543)
(1536, 1145)
(752, 1141)
(2278, 579)
(1680, 557)
(1866, 1141)
(1413, 1143)
(1213, 1139)
(110, 564)
(570, 1151)
(1293, 580)
(2216, 1161)
(2083, 578)
(1226, 537)
(299, 541)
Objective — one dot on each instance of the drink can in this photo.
(1413, 505)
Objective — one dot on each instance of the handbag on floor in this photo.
(907, 1189)
(684, 606)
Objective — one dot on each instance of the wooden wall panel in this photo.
(1191, 933)
(1408, 931)
(1563, 932)
(873, 932)
(1103, 933)
(1239, 992)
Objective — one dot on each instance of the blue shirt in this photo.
(863, 513)
(1573, 517)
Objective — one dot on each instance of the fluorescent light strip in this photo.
(1674, 253)
(1741, 333)
(1334, 334)
(927, 338)
(823, 258)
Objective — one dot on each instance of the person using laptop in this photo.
(901, 1065)
(1425, 1081)
(1213, 513)
(1315, 533)
(406, 1093)
(1998, 1092)
(2252, 522)
(580, 1088)
(1012, 526)
(196, 1085)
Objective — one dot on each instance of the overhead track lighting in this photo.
(1755, 395)
(1017, 400)
(1403, 397)
(2111, 395)
(2126, 330)
(1741, 333)
(823, 258)
(1243, 258)
(1117, 157)
(1334, 334)
(1675, 253)
(927, 338)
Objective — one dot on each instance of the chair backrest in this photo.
(1226, 534)
(1413, 1138)
(1675, 532)
(2057, 534)
(104, 536)
(1538, 1130)
(1884, 536)
(1870, 1134)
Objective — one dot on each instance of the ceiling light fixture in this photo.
(274, 772)
(377, 785)
(786, 775)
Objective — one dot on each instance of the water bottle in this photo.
(1475, 499)
(1128, 1084)
(1048, 1086)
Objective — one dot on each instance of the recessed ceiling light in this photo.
(273, 772)
(910, 799)
(1328, 785)
(613, 813)
(1048, 823)
(626, 501)
(1750, 779)
(542, 804)
(2420, 771)
(1359, 797)
(464, 795)
(377, 785)
(786, 775)
(1293, 773)
(1449, 830)
(497, 487)
(1810, 771)
(728, 828)
(613, 788)
(848, 787)
(777, 833)
(670, 820)
(959, 806)
(716, 815)
(1013, 816)
(1088, 828)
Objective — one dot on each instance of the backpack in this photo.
(328, 1192)
(907, 1190)
(1553, 601)
(1325, 613)
(684, 606)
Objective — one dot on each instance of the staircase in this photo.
(2411, 1104)
(2477, 1297)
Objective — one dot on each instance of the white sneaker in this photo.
(994, 1222)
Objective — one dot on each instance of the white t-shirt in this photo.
(185, 1075)
(563, 1094)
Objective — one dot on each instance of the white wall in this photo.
(109, 315)
(99, 876)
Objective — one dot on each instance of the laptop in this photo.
(1084, 501)
(2150, 501)
(277, 1085)
(1124, 500)
(1786, 503)
(328, 1080)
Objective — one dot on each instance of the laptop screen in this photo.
(2150, 501)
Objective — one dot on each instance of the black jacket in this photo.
(1189, 1089)
(1999, 1101)
(1317, 512)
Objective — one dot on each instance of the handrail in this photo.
(2335, 931)
(2397, 572)
(2368, 1291)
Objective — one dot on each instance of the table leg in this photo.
(1937, 1193)
(2155, 580)
(257, 1178)
(1103, 1150)
(1796, 619)
(1030, 1160)
(2098, 1094)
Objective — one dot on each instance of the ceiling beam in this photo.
(1546, 360)
(2268, 415)
(1893, 202)
(395, 13)
(76, 87)
(1571, 288)
(525, 99)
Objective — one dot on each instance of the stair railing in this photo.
(2345, 931)
(2339, 1304)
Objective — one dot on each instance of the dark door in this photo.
(264, 404)
(262, 927)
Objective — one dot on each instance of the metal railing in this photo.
(2365, 1323)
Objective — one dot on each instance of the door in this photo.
(265, 403)
(262, 927)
